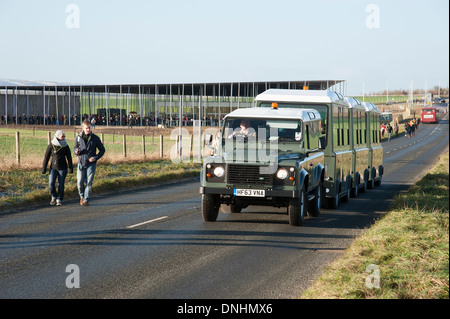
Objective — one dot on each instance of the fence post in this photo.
(124, 145)
(179, 149)
(191, 151)
(18, 148)
(143, 145)
(161, 149)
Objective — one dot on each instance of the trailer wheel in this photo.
(378, 182)
(354, 191)
(210, 207)
(371, 182)
(346, 197)
(316, 203)
(380, 172)
(364, 187)
(333, 202)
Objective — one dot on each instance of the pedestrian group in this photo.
(410, 129)
(88, 148)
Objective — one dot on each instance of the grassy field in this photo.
(33, 144)
(405, 255)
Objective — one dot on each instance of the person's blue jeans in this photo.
(85, 177)
(61, 176)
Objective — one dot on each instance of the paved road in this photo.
(153, 243)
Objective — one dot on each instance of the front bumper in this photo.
(230, 192)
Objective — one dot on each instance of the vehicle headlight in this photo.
(219, 171)
(282, 173)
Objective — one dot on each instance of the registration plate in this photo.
(250, 192)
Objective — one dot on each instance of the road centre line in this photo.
(148, 221)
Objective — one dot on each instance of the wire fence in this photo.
(26, 148)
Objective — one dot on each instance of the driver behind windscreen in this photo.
(245, 130)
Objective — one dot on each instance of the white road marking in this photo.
(148, 221)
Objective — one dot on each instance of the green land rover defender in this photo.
(266, 157)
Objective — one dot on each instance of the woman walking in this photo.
(61, 162)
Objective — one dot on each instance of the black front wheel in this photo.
(235, 208)
(297, 209)
(210, 207)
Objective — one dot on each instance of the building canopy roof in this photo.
(241, 89)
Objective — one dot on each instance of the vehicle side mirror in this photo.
(322, 142)
(207, 139)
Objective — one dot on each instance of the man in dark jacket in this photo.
(61, 161)
(86, 146)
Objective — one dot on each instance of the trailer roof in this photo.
(237, 89)
(305, 96)
(354, 103)
(371, 107)
(282, 113)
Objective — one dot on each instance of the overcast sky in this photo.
(373, 44)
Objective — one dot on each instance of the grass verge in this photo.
(26, 187)
(404, 255)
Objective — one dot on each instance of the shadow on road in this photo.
(357, 214)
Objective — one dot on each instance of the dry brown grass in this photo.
(35, 161)
(409, 245)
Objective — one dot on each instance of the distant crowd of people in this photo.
(410, 129)
(113, 120)
(49, 119)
